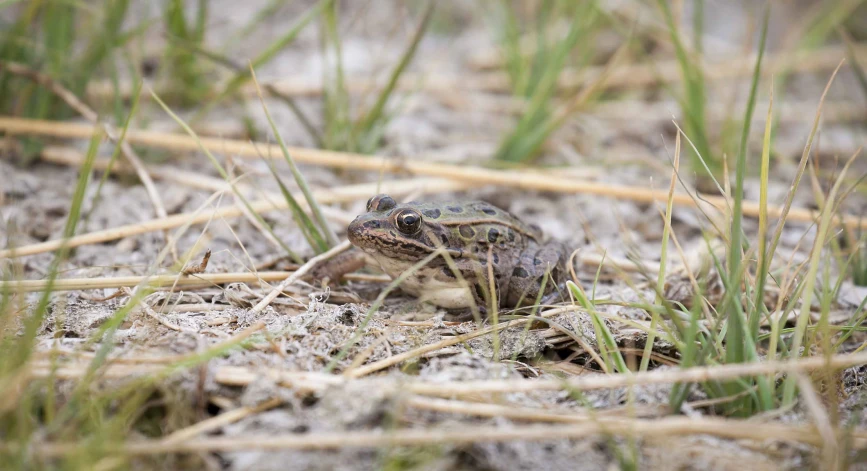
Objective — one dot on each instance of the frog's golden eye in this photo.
(380, 203)
(408, 221)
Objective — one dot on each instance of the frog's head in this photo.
(394, 230)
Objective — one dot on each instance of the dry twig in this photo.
(466, 174)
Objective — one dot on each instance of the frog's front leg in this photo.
(529, 273)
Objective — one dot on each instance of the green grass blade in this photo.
(34, 321)
(101, 44)
(735, 343)
(228, 63)
(372, 118)
(295, 257)
(693, 102)
(608, 347)
(663, 257)
(536, 124)
(763, 262)
(318, 216)
(308, 228)
(266, 55)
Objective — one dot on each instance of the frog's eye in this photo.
(380, 203)
(408, 221)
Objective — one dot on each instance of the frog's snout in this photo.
(354, 231)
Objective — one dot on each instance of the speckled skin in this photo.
(477, 235)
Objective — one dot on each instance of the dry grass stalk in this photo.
(688, 375)
(334, 195)
(72, 157)
(670, 426)
(162, 281)
(512, 411)
(470, 175)
(315, 381)
(159, 281)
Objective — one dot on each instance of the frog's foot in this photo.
(465, 315)
(556, 296)
(334, 268)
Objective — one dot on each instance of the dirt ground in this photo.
(628, 141)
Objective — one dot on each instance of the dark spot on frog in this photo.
(432, 213)
(466, 231)
(493, 234)
(495, 258)
(536, 261)
(447, 271)
(444, 239)
(510, 234)
(489, 211)
(520, 272)
(372, 225)
(455, 209)
(422, 279)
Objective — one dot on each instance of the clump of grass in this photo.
(362, 133)
(183, 70)
(242, 74)
(732, 332)
(743, 323)
(535, 76)
(55, 38)
(694, 97)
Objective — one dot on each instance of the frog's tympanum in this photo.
(477, 236)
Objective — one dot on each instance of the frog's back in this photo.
(472, 219)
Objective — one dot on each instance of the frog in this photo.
(478, 243)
